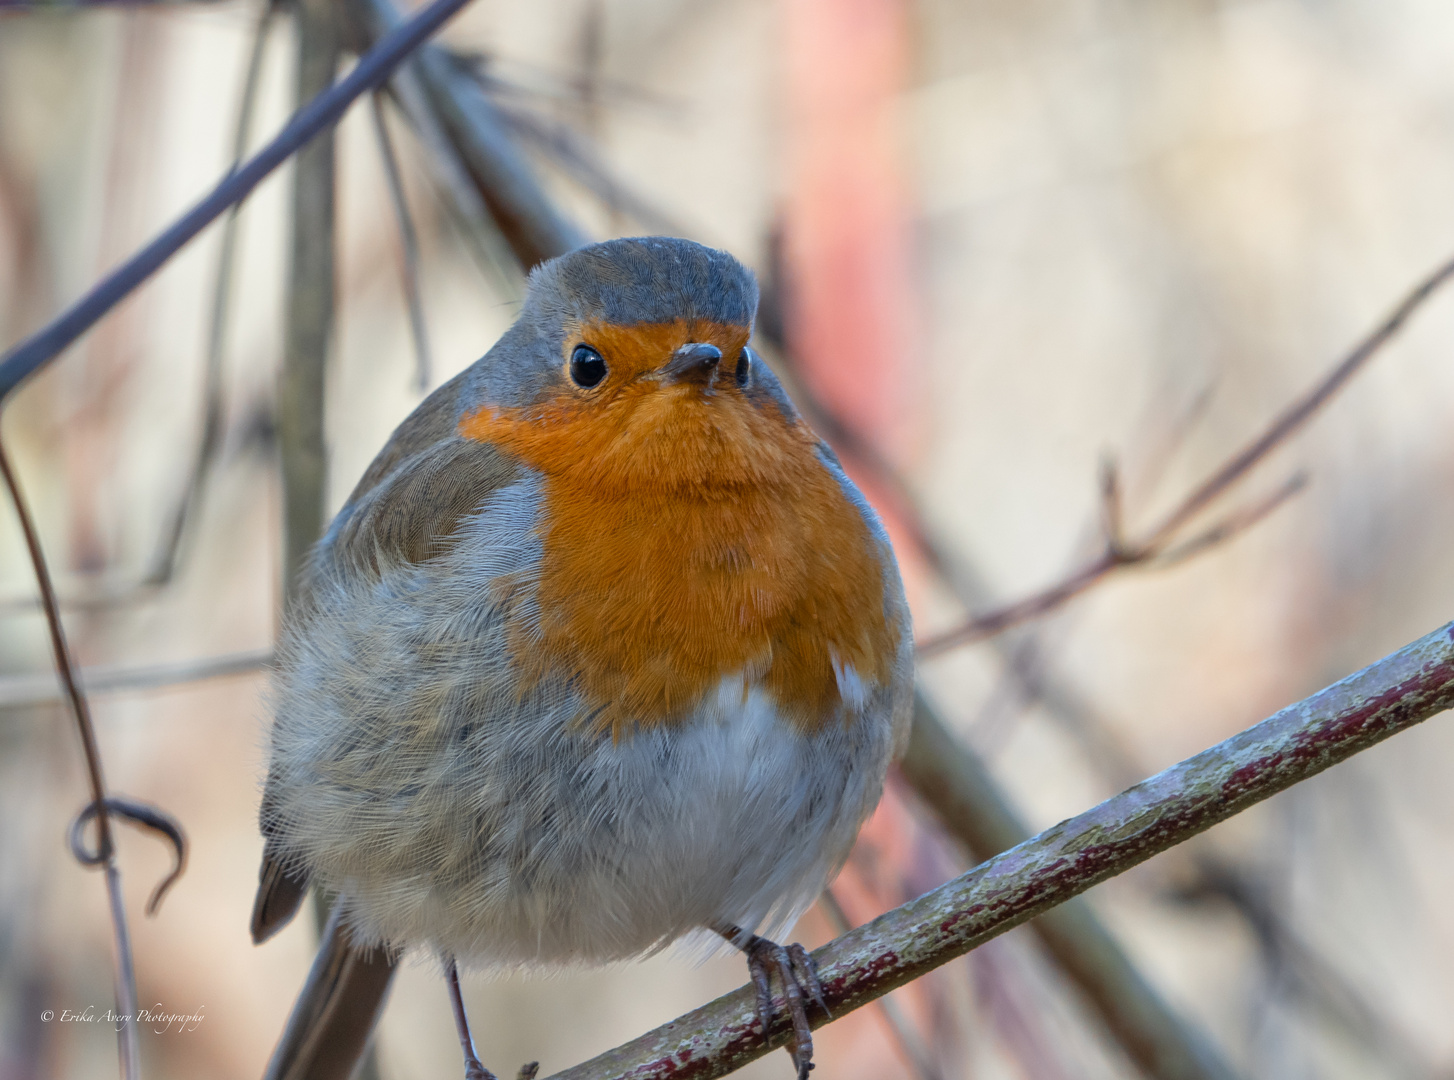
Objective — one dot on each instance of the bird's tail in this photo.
(330, 1025)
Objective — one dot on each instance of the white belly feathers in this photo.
(511, 834)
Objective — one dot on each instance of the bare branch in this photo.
(105, 844)
(19, 691)
(1299, 412)
(1238, 522)
(911, 1044)
(1158, 540)
(532, 225)
(1302, 740)
(962, 793)
(1111, 521)
(308, 331)
(409, 239)
(165, 563)
(372, 69)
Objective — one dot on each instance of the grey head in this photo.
(624, 282)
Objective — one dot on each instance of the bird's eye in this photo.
(586, 366)
(744, 366)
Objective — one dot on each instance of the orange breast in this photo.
(688, 537)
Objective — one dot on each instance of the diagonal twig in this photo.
(372, 69)
(1157, 541)
(962, 793)
(531, 224)
(1387, 697)
(911, 1043)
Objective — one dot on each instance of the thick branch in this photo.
(1302, 740)
(311, 288)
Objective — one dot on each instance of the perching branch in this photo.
(1159, 542)
(1302, 740)
(969, 803)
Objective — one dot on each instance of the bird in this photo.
(605, 651)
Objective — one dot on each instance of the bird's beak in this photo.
(696, 361)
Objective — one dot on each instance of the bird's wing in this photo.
(405, 510)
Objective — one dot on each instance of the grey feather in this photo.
(455, 805)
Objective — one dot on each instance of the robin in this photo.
(604, 651)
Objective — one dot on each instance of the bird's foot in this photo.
(473, 1070)
(800, 981)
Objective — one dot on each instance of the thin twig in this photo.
(165, 563)
(1299, 412)
(1387, 697)
(409, 239)
(531, 224)
(126, 1031)
(19, 691)
(1234, 524)
(143, 816)
(461, 198)
(1158, 539)
(372, 69)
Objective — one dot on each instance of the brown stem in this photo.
(105, 845)
(1159, 538)
(310, 305)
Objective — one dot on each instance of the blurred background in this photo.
(1001, 240)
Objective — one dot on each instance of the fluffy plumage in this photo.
(578, 671)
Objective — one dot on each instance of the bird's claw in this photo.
(473, 1070)
(800, 981)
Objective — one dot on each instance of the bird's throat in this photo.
(651, 594)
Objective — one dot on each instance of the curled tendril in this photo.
(144, 816)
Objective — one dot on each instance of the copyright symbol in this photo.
(47, 1016)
